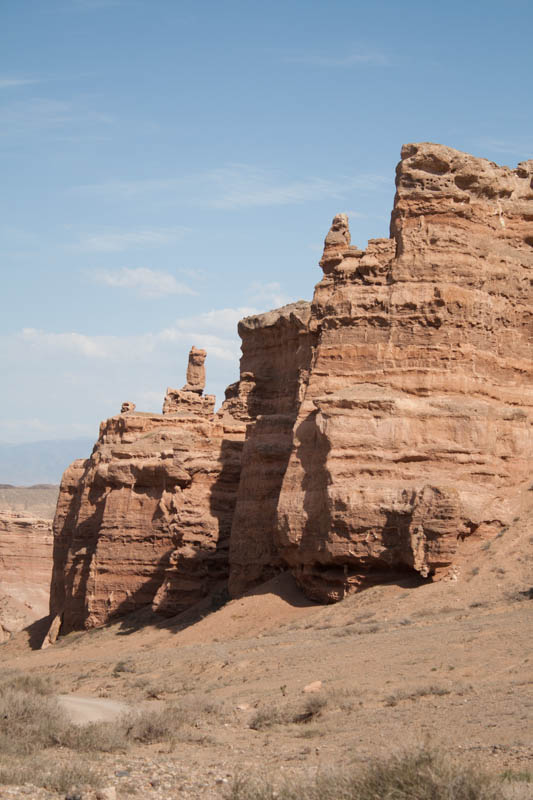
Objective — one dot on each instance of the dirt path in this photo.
(82, 710)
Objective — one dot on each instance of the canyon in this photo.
(380, 431)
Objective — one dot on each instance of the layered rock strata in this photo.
(26, 545)
(386, 425)
(416, 421)
(276, 358)
(146, 520)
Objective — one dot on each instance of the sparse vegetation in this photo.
(423, 775)
(271, 715)
(54, 777)
(524, 776)
(123, 666)
(31, 721)
(422, 691)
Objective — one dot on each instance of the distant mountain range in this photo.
(40, 462)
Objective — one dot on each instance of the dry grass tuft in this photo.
(42, 772)
(298, 713)
(423, 775)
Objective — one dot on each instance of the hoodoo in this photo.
(146, 519)
(383, 428)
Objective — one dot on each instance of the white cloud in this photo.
(355, 215)
(240, 186)
(91, 5)
(72, 342)
(357, 57)
(9, 83)
(237, 186)
(522, 149)
(146, 282)
(119, 241)
(215, 330)
(42, 113)
(267, 295)
(29, 429)
(221, 319)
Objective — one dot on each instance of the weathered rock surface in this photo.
(275, 363)
(26, 544)
(196, 371)
(416, 421)
(387, 424)
(146, 520)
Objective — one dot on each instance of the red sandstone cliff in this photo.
(386, 426)
(416, 422)
(25, 570)
(146, 519)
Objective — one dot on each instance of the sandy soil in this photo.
(82, 710)
(449, 663)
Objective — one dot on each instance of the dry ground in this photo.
(448, 663)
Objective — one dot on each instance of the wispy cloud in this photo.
(237, 186)
(10, 83)
(357, 57)
(19, 430)
(42, 113)
(523, 149)
(145, 282)
(90, 5)
(267, 295)
(215, 330)
(119, 241)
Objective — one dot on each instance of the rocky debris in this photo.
(25, 570)
(127, 407)
(184, 401)
(52, 632)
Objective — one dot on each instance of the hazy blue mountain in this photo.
(40, 462)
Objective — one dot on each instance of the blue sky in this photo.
(169, 167)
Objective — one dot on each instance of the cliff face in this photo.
(276, 358)
(146, 520)
(25, 570)
(416, 422)
(383, 428)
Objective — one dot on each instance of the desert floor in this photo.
(401, 665)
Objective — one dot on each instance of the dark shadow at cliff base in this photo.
(37, 631)
(135, 613)
(283, 586)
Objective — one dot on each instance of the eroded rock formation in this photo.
(25, 570)
(385, 425)
(416, 421)
(196, 371)
(146, 520)
(276, 357)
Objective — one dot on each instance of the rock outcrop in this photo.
(26, 544)
(416, 421)
(386, 425)
(276, 357)
(196, 371)
(146, 520)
